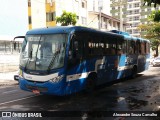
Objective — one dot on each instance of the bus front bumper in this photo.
(42, 87)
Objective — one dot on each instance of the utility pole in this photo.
(119, 3)
(100, 7)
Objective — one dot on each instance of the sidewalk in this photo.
(7, 78)
(8, 68)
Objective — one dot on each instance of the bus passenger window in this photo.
(112, 49)
(75, 50)
(130, 50)
(119, 51)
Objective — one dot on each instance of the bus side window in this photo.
(76, 48)
(76, 53)
(138, 47)
(131, 45)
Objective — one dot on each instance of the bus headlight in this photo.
(20, 73)
(57, 79)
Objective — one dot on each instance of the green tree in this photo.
(67, 18)
(152, 32)
(155, 16)
(149, 2)
(153, 28)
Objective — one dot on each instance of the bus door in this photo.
(111, 68)
(115, 58)
(111, 61)
(76, 69)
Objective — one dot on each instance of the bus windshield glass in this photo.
(43, 52)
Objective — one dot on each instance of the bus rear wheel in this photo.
(90, 83)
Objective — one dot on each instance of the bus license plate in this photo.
(36, 91)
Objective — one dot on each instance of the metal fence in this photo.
(7, 47)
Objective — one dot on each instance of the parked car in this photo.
(156, 61)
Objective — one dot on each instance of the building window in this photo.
(135, 24)
(83, 5)
(129, 25)
(77, 17)
(29, 3)
(129, 12)
(136, 12)
(84, 21)
(136, 18)
(130, 19)
(135, 31)
(136, 5)
(124, 6)
(93, 5)
(130, 6)
(29, 19)
(50, 16)
(113, 8)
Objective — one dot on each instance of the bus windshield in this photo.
(43, 52)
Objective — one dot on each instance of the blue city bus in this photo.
(65, 60)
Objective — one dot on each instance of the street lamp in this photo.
(119, 3)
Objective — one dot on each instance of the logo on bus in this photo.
(28, 77)
(129, 60)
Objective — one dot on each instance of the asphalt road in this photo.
(140, 94)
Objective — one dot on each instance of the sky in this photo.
(13, 17)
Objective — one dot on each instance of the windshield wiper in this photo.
(28, 60)
(37, 51)
(52, 61)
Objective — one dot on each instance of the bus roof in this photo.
(67, 29)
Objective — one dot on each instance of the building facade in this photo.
(99, 16)
(90, 13)
(43, 13)
(133, 13)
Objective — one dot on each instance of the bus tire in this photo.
(134, 72)
(91, 83)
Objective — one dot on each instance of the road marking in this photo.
(9, 91)
(18, 99)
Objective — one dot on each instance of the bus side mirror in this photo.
(16, 77)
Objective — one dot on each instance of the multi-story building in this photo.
(42, 13)
(90, 13)
(99, 16)
(133, 13)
